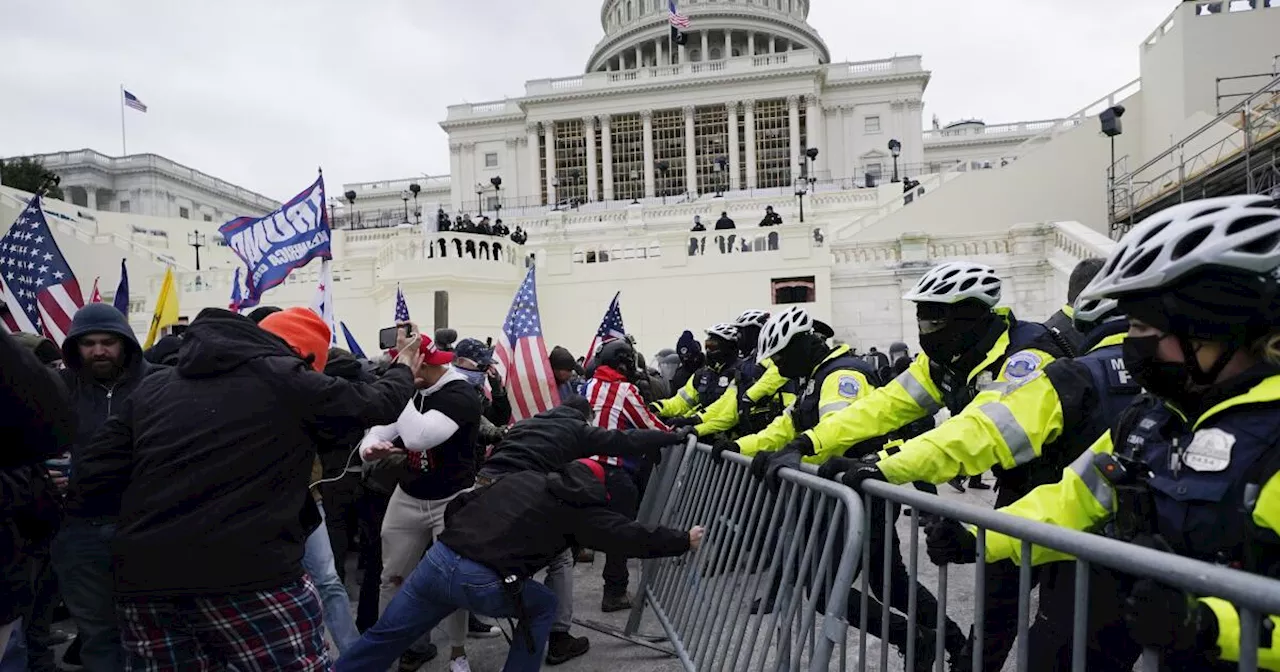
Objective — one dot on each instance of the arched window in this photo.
(715, 53)
(695, 55)
(630, 7)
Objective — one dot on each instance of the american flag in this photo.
(95, 296)
(678, 20)
(131, 100)
(610, 327)
(402, 308)
(38, 287)
(523, 354)
(323, 301)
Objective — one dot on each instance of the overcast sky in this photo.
(260, 93)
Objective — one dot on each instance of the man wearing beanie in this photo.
(205, 467)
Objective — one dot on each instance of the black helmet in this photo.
(617, 354)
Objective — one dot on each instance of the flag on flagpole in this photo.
(95, 296)
(352, 346)
(40, 292)
(236, 297)
(166, 312)
(323, 303)
(610, 328)
(121, 299)
(402, 308)
(131, 100)
(529, 380)
(677, 19)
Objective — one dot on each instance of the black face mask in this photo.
(797, 359)
(1167, 380)
(956, 338)
(719, 354)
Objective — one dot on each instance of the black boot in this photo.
(975, 483)
(563, 647)
(615, 602)
(926, 645)
(957, 483)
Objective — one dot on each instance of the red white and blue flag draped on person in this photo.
(530, 383)
(40, 292)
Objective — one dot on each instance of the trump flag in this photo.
(274, 245)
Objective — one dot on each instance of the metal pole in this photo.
(124, 147)
(1111, 180)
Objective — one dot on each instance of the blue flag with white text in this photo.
(121, 299)
(274, 245)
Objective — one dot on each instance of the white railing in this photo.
(429, 184)
(438, 247)
(898, 65)
(487, 109)
(662, 73)
(978, 129)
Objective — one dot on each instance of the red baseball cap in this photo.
(433, 355)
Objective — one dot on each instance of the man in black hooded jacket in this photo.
(207, 466)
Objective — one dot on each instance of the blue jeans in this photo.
(318, 561)
(82, 559)
(13, 656)
(441, 584)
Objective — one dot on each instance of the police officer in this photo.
(760, 392)
(1189, 467)
(969, 345)
(707, 383)
(835, 379)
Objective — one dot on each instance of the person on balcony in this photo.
(500, 229)
(725, 224)
(771, 218)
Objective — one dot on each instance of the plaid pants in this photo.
(273, 630)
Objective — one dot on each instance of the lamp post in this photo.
(575, 177)
(496, 181)
(1111, 127)
(895, 148)
(635, 187)
(404, 196)
(415, 189)
(333, 211)
(480, 198)
(721, 174)
(196, 239)
(805, 183)
(351, 201)
(663, 167)
(555, 184)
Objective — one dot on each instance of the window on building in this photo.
(711, 133)
(773, 144)
(801, 289)
(668, 152)
(871, 124)
(125, 205)
(628, 156)
(875, 170)
(491, 160)
(570, 161)
(491, 203)
(184, 213)
(208, 218)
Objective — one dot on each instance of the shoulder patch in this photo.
(849, 386)
(1022, 365)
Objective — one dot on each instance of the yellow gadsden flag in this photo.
(166, 308)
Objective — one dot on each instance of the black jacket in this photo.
(548, 441)
(1066, 327)
(94, 402)
(336, 439)
(208, 462)
(35, 422)
(725, 223)
(519, 524)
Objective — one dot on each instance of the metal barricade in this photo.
(1253, 595)
(791, 554)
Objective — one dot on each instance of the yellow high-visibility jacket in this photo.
(722, 415)
(687, 400)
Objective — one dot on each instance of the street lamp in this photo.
(575, 176)
(635, 188)
(663, 167)
(404, 196)
(333, 211)
(415, 188)
(196, 239)
(496, 181)
(351, 200)
(805, 183)
(895, 148)
(721, 172)
(1111, 127)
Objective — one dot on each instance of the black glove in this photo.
(801, 444)
(1167, 618)
(745, 405)
(766, 465)
(654, 455)
(683, 433)
(835, 466)
(949, 543)
(861, 472)
(677, 423)
(722, 445)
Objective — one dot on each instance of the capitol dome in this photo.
(637, 32)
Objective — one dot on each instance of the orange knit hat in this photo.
(304, 331)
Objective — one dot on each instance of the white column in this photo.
(751, 44)
(773, 44)
(532, 185)
(549, 129)
(850, 149)
(589, 134)
(728, 44)
(606, 151)
(690, 152)
(749, 109)
(814, 122)
(684, 53)
(647, 117)
(660, 50)
(91, 198)
(793, 113)
(706, 46)
(639, 56)
(735, 182)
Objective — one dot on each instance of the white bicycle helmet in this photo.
(1093, 312)
(1232, 232)
(781, 329)
(757, 318)
(726, 331)
(956, 281)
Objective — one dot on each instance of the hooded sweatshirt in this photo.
(517, 525)
(207, 462)
(551, 439)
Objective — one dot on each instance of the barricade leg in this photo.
(1103, 639)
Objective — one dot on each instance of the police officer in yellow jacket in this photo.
(708, 383)
(970, 349)
(834, 379)
(759, 391)
(1194, 468)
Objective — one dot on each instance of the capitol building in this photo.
(607, 169)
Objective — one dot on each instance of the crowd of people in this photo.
(194, 506)
(464, 224)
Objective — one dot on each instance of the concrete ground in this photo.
(616, 655)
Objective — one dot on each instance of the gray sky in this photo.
(260, 93)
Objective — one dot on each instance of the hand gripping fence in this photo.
(784, 554)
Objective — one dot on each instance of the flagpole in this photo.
(124, 146)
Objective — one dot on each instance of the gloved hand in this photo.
(722, 445)
(491, 435)
(1167, 618)
(949, 543)
(677, 423)
(861, 472)
(766, 465)
(745, 405)
(801, 444)
(834, 467)
(682, 434)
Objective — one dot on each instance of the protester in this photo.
(438, 429)
(691, 359)
(104, 366)
(495, 540)
(568, 372)
(206, 466)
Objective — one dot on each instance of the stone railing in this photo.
(709, 243)
(898, 65)
(477, 251)
(1063, 244)
(664, 74)
(987, 130)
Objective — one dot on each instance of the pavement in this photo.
(611, 654)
